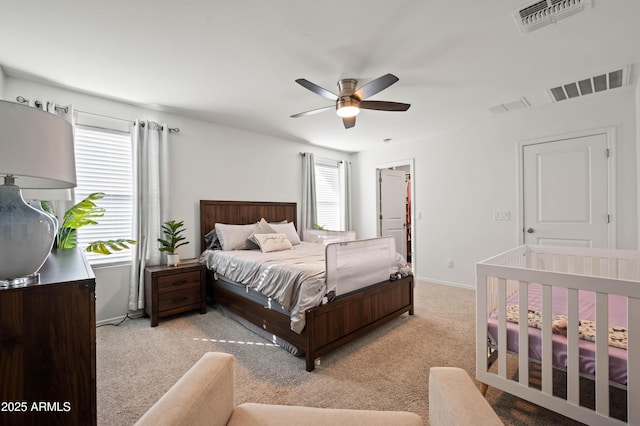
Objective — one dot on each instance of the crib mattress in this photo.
(617, 316)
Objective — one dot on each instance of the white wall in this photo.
(461, 178)
(208, 161)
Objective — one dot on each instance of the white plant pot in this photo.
(173, 259)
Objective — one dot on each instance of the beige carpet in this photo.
(386, 369)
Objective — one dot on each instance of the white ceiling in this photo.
(235, 62)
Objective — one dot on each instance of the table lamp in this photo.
(36, 152)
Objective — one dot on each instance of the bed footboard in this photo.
(354, 314)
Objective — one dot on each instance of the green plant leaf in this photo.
(109, 246)
(173, 236)
(82, 214)
(47, 207)
(67, 238)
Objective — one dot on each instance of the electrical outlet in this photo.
(449, 263)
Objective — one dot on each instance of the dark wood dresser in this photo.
(48, 345)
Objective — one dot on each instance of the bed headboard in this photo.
(242, 213)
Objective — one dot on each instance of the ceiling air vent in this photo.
(587, 86)
(545, 12)
(509, 106)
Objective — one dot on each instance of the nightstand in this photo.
(170, 290)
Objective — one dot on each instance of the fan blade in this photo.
(313, 111)
(384, 106)
(316, 89)
(349, 122)
(374, 86)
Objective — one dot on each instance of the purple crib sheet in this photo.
(617, 316)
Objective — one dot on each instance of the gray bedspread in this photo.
(293, 278)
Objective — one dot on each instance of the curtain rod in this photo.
(24, 100)
(171, 129)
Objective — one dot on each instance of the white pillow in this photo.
(262, 227)
(235, 237)
(272, 242)
(289, 230)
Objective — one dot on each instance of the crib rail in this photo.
(604, 272)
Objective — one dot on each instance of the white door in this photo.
(393, 207)
(565, 192)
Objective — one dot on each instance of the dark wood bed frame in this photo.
(327, 327)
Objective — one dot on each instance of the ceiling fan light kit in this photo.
(347, 107)
(351, 99)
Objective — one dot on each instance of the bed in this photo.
(547, 305)
(326, 327)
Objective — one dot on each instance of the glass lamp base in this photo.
(21, 281)
(26, 237)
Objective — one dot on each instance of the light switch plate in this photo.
(501, 215)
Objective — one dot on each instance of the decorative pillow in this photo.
(272, 242)
(235, 237)
(289, 230)
(262, 227)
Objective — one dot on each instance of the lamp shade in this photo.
(47, 194)
(36, 151)
(36, 147)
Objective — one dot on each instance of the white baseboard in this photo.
(451, 284)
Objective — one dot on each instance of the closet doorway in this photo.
(568, 190)
(394, 215)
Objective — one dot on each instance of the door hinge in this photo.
(607, 152)
(380, 217)
(608, 218)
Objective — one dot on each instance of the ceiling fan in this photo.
(351, 99)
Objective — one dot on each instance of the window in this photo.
(104, 164)
(328, 194)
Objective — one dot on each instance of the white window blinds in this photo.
(328, 194)
(104, 164)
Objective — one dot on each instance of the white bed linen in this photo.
(294, 278)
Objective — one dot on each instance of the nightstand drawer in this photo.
(178, 299)
(184, 280)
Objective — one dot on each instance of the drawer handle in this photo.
(179, 299)
(181, 282)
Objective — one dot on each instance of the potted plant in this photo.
(82, 214)
(173, 239)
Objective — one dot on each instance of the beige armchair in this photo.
(205, 396)
(454, 400)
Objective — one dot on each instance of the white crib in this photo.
(510, 277)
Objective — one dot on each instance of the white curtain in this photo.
(151, 195)
(309, 212)
(346, 174)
